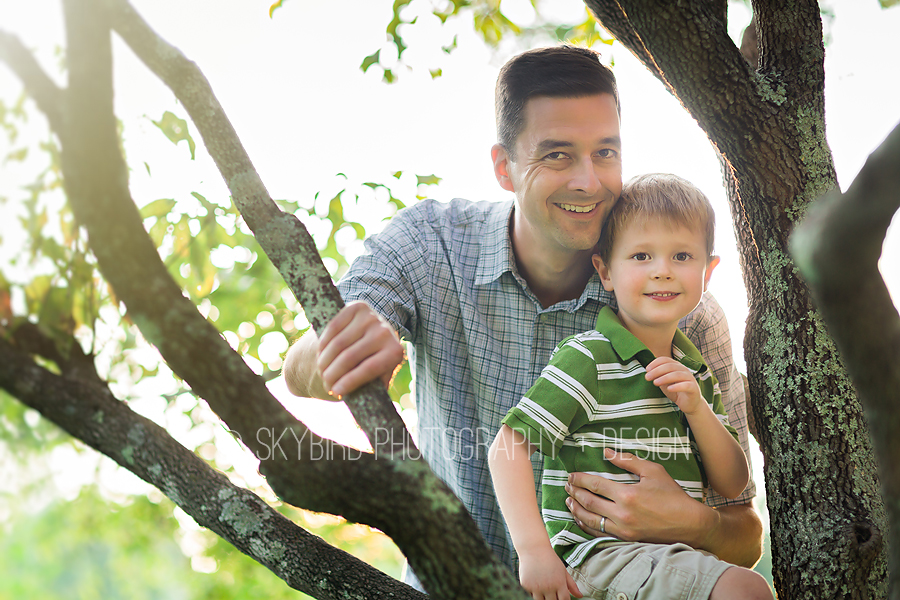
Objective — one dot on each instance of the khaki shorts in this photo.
(635, 571)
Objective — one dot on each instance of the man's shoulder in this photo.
(458, 212)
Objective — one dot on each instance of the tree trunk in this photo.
(768, 127)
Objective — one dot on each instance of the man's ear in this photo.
(603, 272)
(713, 262)
(501, 167)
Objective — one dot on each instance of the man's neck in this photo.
(555, 281)
(552, 274)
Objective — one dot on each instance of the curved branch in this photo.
(41, 88)
(400, 484)
(89, 412)
(718, 87)
(837, 248)
(282, 236)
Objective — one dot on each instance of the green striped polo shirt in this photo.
(593, 395)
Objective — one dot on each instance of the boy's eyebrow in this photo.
(551, 144)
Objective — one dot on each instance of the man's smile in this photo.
(577, 208)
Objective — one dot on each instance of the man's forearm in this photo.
(300, 372)
(736, 535)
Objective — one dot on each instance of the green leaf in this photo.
(888, 3)
(369, 61)
(435, 73)
(176, 130)
(275, 6)
(17, 155)
(158, 208)
(427, 179)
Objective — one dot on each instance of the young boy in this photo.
(634, 384)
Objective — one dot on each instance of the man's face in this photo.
(567, 173)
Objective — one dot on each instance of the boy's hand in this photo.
(545, 577)
(677, 383)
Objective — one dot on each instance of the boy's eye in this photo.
(641, 256)
(683, 256)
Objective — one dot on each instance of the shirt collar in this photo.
(628, 347)
(496, 255)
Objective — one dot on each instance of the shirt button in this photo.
(621, 596)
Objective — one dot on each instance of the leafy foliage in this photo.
(490, 23)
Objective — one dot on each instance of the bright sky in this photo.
(293, 90)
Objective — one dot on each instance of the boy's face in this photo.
(658, 271)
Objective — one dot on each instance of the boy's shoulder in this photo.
(591, 344)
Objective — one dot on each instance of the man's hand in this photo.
(545, 577)
(654, 510)
(677, 382)
(356, 347)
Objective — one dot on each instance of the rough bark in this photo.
(837, 247)
(394, 490)
(768, 127)
(81, 404)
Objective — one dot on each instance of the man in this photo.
(484, 291)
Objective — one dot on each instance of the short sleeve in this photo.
(387, 276)
(557, 402)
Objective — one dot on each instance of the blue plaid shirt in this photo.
(445, 276)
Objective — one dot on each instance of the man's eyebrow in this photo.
(547, 145)
(550, 144)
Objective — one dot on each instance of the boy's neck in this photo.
(658, 339)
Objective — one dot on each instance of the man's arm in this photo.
(356, 347)
(657, 510)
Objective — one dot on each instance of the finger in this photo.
(627, 461)
(671, 378)
(366, 361)
(572, 587)
(588, 509)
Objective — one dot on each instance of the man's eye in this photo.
(608, 153)
(555, 156)
(683, 256)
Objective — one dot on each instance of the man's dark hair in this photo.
(557, 72)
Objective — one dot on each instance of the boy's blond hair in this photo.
(659, 197)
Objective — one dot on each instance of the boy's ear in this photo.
(713, 262)
(603, 272)
(501, 161)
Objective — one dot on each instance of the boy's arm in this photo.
(540, 569)
(722, 456)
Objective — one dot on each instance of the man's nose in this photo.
(584, 177)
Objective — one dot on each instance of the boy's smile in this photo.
(658, 271)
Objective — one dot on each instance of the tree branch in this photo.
(282, 236)
(41, 88)
(96, 182)
(89, 412)
(717, 88)
(837, 248)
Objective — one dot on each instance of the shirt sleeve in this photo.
(555, 404)
(707, 328)
(386, 276)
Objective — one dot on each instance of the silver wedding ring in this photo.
(602, 524)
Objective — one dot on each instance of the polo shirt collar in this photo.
(628, 347)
